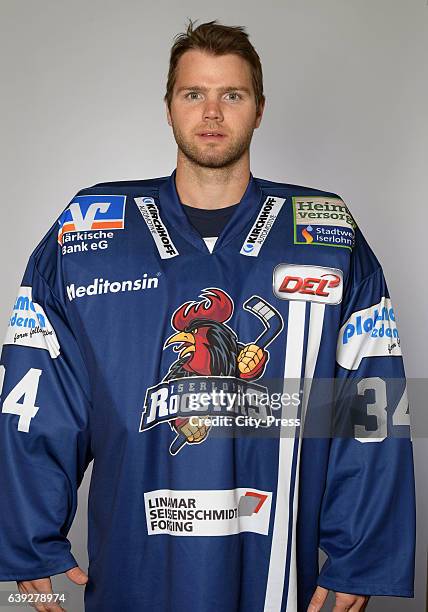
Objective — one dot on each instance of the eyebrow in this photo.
(219, 89)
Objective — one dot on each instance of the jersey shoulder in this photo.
(128, 186)
(293, 189)
(326, 211)
(45, 254)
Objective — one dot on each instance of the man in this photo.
(145, 306)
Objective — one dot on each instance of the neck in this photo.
(210, 187)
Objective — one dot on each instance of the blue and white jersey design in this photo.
(134, 345)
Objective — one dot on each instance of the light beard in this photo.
(209, 157)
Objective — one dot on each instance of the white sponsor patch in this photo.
(262, 226)
(370, 332)
(150, 213)
(207, 513)
(29, 325)
(308, 283)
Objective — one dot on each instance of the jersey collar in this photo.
(172, 211)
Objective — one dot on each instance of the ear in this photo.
(168, 114)
(260, 113)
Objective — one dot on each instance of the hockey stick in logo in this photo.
(270, 318)
(273, 324)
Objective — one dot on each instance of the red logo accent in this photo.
(260, 496)
(310, 285)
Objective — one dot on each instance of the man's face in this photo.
(213, 94)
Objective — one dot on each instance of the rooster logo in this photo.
(208, 347)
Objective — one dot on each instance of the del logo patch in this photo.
(308, 283)
(92, 212)
(322, 221)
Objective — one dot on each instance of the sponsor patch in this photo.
(101, 286)
(323, 221)
(262, 226)
(207, 513)
(89, 223)
(29, 325)
(308, 283)
(370, 332)
(150, 213)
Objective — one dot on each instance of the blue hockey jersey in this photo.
(199, 381)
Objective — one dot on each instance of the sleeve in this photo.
(367, 520)
(44, 433)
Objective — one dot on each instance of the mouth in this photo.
(211, 135)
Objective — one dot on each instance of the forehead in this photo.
(200, 68)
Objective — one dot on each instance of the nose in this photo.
(212, 110)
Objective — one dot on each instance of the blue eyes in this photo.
(191, 93)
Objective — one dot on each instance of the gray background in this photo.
(347, 96)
